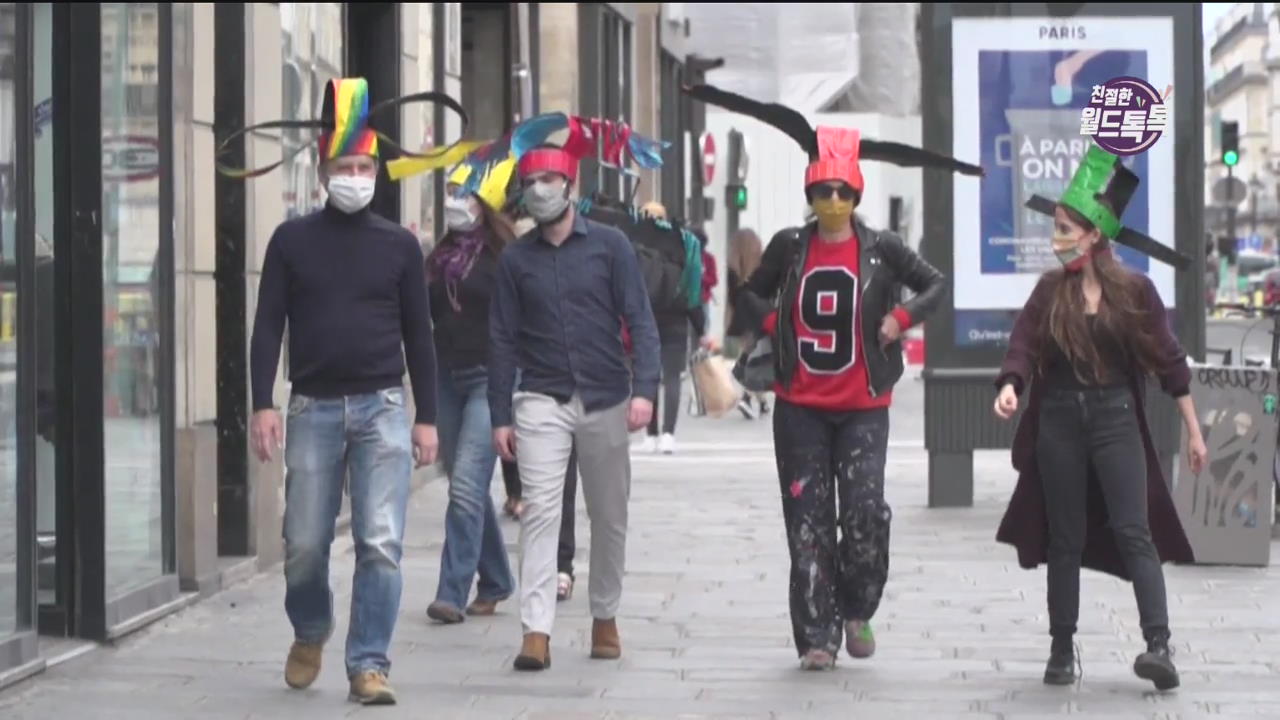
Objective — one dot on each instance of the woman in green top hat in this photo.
(1090, 491)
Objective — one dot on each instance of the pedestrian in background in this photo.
(1088, 337)
(673, 334)
(350, 286)
(745, 252)
(461, 271)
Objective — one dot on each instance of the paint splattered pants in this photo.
(831, 467)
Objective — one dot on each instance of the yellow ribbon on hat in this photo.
(403, 167)
(493, 188)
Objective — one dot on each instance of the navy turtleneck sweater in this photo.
(352, 289)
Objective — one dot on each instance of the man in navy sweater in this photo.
(351, 287)
(561, 294)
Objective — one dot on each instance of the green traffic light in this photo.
(1230, 158)
(740, 199)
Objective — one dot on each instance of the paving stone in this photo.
(705, 626)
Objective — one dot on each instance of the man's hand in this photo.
(266, 432)
(639, 414)
(709, 343)
(1006, 403)
(504, 441)
(426, 445)
(889, 330)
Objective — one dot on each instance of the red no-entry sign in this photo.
(708, 158)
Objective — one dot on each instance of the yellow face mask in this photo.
(833, 213)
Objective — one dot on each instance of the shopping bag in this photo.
(713, 380)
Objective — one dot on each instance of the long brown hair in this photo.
(1122, 314)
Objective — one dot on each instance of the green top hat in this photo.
(1102, 176)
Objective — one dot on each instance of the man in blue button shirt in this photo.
(562, 293)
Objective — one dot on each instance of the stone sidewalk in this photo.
(705, 623)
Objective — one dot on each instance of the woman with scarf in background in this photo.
(460, 273)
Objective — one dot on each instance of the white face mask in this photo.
(458, 214)
(351, 193)
(545, 202)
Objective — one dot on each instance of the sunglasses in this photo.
(823, 192)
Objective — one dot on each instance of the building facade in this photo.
(1244, 86)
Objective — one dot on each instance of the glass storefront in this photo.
(312, 45)
(9, 596)
(132, 426)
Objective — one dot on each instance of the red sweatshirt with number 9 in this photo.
(831, 369)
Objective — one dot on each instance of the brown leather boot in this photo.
(605, 643)
(535, 653)
(483, 608)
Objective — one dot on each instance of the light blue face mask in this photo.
(545, 202)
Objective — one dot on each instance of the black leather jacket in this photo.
(885, 265)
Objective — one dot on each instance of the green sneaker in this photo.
(859, 639)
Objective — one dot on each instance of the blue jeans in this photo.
(366, 439)
(472, 537)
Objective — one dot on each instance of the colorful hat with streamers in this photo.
(347, 104)
(492, 189)
(614, 144)
(834, 153)
(346, 126)
(1101, 176)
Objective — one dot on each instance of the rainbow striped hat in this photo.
(346, 110)
(346, 126)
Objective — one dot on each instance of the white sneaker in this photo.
(667, 445)
(648, 445)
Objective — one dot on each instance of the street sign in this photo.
(1229, 191)
(708, 143)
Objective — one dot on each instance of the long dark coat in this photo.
(1025, 525)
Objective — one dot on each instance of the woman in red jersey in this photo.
(836, 330)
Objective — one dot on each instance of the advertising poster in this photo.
(1019, 86)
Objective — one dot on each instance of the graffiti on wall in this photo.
(1227, 509)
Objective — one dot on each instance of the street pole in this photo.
(1229, 282)
(1253, 209)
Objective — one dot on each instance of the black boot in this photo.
(1156, 664)
(1061, 669)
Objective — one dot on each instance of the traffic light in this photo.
(1230, 143)
(735, 196)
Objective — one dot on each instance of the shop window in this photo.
(313, 51)
(133, 467)
(9, 543)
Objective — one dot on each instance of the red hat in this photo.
(837, 158)
(554, 160)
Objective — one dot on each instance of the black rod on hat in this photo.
(798, 128)
(779, 116)
(325, 123)
(1132, 238)
(908, 156)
